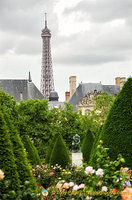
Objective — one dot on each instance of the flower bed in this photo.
(105, 182)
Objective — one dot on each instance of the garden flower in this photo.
(1, 175)
(64, 170)
(104, 189)
(59, 178)
(114, 190)
(127, 184)
(52, 173)
(75, 188)
(99, 183)
(38, 176)
(69, 173)
(126, 194)
(66, 186)
(71, 184)
(99, 172)
(81, 186)
(88, 198)
(89, 170)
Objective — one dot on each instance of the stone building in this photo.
(82, 98)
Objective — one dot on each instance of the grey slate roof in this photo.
(53, 96)
(85, 88)
(20, 89)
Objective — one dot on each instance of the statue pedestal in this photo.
(77, 159)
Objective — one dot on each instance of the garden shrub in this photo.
(21, 161)
(50, 149)
(60, 153)
(117, 130)
(32, 152)
(7, 159)
(87, 146)
(93, 150)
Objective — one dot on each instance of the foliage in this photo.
(9, 103)
(25, 192)
(87, 146)
(34, 121)
(94, 146)
(60, 153)
(103, 103)
(50, 148)
(70, 124)
(105, 181)
(47, 175)
(23, 169)
(33, 155)
(7, 159)
(117, 130)
(96, 117)
(41, 124)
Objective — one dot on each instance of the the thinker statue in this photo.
(76, 144)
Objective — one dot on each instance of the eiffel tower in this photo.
(47, 81)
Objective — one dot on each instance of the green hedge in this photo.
(22, 163)
(50, 149)
(32, 152)
(117, 130)
(93, 150)
(87, 146)
(7, 159)
(60, 153)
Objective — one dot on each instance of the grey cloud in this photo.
(28, 46)
(24, 19)
(88, 59)
(103, 10)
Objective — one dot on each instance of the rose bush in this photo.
(107, 181)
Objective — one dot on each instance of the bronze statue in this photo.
(76, 144)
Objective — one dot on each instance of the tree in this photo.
(7, 159)
(96, 117)
(50, 148)
(10, 115)
(94, 146)
(34, 121)
(32, 152)
(117, 130)
(87, 146)
(60, 153)
(70, 124)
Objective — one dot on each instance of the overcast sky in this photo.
(91, 39)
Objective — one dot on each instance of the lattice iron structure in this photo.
(47, 81)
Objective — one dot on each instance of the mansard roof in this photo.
(85, 88)
(20, 89)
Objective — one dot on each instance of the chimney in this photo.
(122, 81)
(117, 80)
(67, 96)
(72, 83)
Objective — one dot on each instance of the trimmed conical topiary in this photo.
(60, 153)
(23, 167)
(32, 152)
(117, 130)
(93, 150)
(87, 146)
(50, 149)
(7, 159)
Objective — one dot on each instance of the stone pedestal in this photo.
(77, 159)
